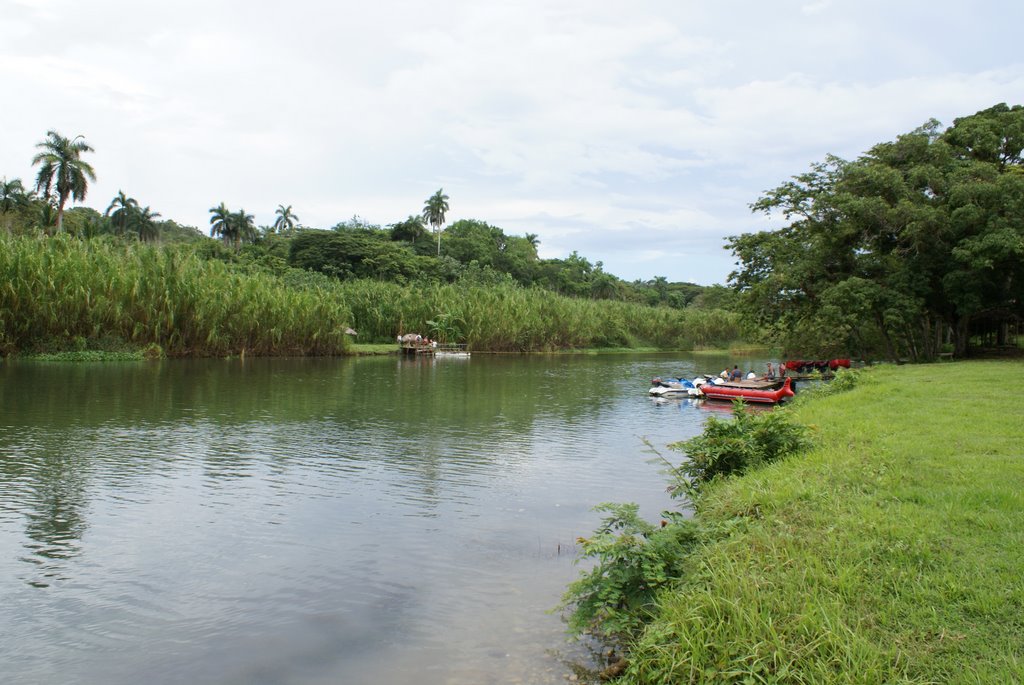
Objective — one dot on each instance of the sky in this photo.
(637, 134)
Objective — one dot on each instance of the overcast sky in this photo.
(635, 133)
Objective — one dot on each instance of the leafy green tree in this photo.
(433, 213)
(518, 257)
(286, 220)
(470, 240)
(355, 254)
(121, 212)
(409, 230)
(63, 171)
(916, 242)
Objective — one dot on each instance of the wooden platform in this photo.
(443, 349)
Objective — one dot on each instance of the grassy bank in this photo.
(892, 552)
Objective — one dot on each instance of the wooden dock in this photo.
(433, 348)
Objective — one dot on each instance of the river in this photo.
(307, 521)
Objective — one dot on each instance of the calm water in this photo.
(312, 521)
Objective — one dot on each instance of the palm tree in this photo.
(433, 213)
(143, 221)
(12, 194)
(47, 215)
(122, 211)
(220, 223)
(243, 230)
(63, 170)
(286, 221)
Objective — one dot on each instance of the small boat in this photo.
(672, 387)
(819, 365)
(768, 392)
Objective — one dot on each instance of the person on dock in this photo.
(736, 374)
(771, 372)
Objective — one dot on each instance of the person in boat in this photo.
(724, 374)
(736, 374)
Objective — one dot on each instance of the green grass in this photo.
(893, 552)
(88, 356)
(368, 349)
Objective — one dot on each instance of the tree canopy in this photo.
(912, 246)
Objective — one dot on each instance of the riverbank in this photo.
(889, 553)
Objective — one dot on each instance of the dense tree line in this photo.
(471, 251)
(913, 248)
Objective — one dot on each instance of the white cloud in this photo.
(623, 135)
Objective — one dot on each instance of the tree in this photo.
(409, 230)
(286, 220)
(221, 224)
(63, 171)
(917, 242)
(12, 195)
(121, 212)
(233, 228)
(433, 213)
(142, 220)
(243, 229)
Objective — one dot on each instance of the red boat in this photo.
(806, 365)
(749, 391)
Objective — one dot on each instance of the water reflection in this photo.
(373, 520)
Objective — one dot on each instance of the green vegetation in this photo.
(635, 560)
(890, 552)
(62, 171)
(371, 349)
(507, 317)
(58, 291)
(433, 213)
(910, 250)
(190, 301)
(380, 280)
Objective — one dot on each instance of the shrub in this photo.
(728, 447)
(634, 560)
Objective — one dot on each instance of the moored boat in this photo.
(749, 391)
(669, 387)
(819, 365)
